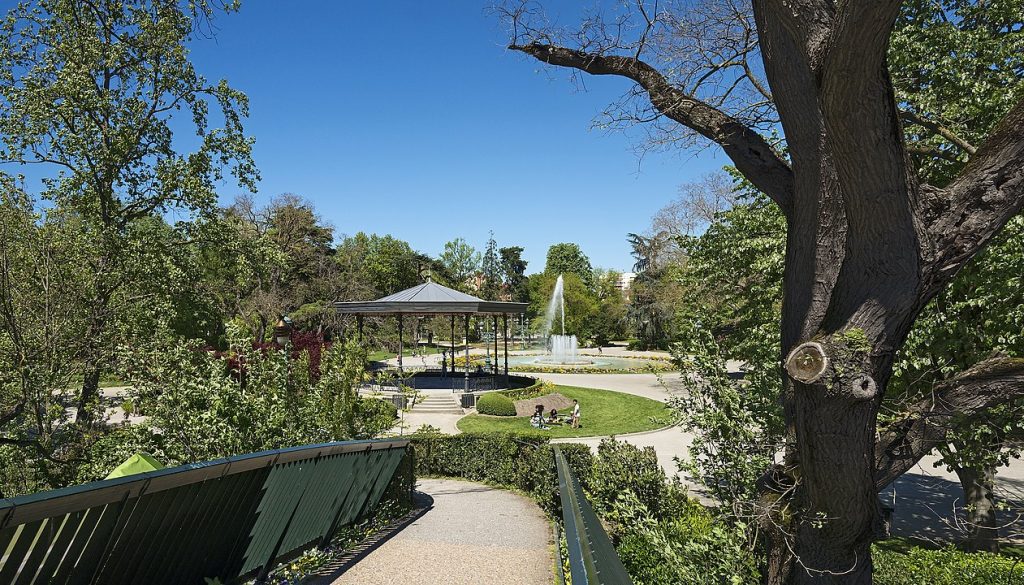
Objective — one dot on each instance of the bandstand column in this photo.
(400, 343)
(504, 337)
(467, 352)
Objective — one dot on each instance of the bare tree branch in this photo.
(753, 156)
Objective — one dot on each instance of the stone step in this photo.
(422, 408)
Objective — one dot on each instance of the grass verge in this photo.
(603, 412)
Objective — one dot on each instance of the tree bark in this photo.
(979, 501)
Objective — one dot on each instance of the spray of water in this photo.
(564, 348)
(557, 302)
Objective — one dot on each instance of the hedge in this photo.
(495, 404)
(944, 567)
(522, 462)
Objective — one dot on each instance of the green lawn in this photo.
(603, 412)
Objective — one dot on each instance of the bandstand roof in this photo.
(429, 298)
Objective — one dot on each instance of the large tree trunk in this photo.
(979, 501)
(92, 366)
(867, 248)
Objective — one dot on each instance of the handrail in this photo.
(592, 557)
(229, 519)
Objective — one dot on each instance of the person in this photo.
(553, 415)
(537, 420)
(575, 414)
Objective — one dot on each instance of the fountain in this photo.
(564, 349)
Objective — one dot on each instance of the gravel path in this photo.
(473, 534)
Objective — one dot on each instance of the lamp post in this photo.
(283, 331)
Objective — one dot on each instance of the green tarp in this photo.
(138, 463)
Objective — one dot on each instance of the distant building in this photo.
(625, 280)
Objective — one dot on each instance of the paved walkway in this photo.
(473, 534)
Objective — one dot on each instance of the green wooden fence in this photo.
(230, 519)
(592, 556)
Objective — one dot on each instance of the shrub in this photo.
(495, 404)
(944, 567)
(620, 466)
(690, 547)
(372, 417)
(522, 462)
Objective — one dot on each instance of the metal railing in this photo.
(230, 519)
(592, 556)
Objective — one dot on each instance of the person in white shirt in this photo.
(575, 414)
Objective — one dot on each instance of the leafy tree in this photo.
(292, 268)
(491, 270)
(730, 309)
(979, 314)
(376, 266)
(567, 258)
(957, 66)
(42, 281)
(91, 91)
(461, 262)
(201, 406)
(869, 243)
(609, 323)
(513, 270)
(652, 293)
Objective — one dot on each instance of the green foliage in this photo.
(491, 271)
(737, 429)
(944, 567)
(495, 404)
(733, 283)
(521, 462)
(653, 294)
(619, 465)
(981, 312)
(513, 270)
(94, 93)
(379, 265)
(207, 406)
(567, 258)
(461, 261)
(688, 548)
(609, 323)
(955, 64)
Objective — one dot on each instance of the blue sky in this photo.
(411, 118)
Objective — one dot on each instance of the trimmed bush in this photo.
(521, 462)
(944, 567)
(495, 404)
